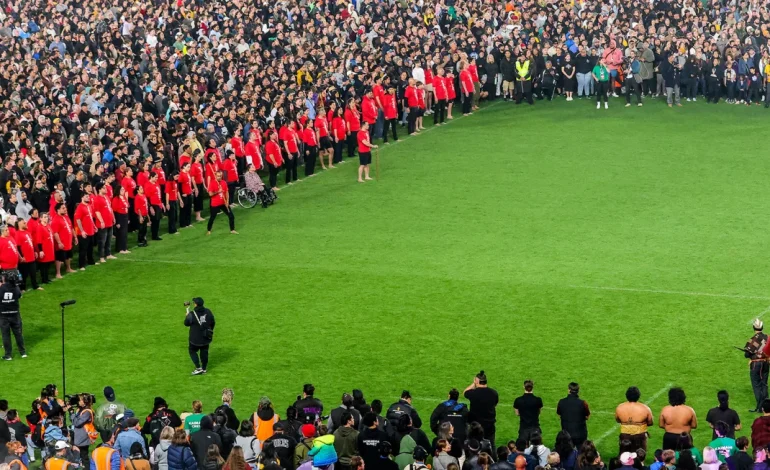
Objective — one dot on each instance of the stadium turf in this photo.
(556, 242)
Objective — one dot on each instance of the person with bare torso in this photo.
(676, 418)
(634, 418)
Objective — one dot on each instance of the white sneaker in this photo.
(688, 99)
(695, 99)
(198, 371)
(598, 105)
(606, 105)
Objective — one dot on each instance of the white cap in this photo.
(60, 445)
(758, 325)
(627, 458)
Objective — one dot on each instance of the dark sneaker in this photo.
(7, 358)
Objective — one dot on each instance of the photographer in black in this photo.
(10, 317)
(201, 323)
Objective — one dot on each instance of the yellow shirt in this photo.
(767, 73)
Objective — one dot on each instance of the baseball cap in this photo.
(60, 445)
(627, 458)
(109, 393)
(264, 401)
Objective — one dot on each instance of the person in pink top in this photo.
(613, 59)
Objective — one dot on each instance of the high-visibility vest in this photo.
(17, 462)
(263, 429)
(522, 70)
(102, 458)
(56, 463)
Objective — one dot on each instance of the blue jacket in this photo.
(53, 433)
(181, 458)
(125, 439)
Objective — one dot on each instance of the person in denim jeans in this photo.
(583, 66)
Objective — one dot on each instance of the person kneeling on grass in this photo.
(364, 152)
(219, 202)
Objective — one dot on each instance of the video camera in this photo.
(74, 399)
(11, 276)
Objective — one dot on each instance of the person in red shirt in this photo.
(105, 221)
(420, 105)
(152, 191)
(449, 81)
(440, 97)
(85, 228)
(212, 165)
(172, 202)
(466, 87)
(158, 170)
(339, 134)
(253, 155)
(64, 236)
(473, 69)
(353, 125)
(310, 139)
(290, 141)
(196, 173)
(365, 147)
(239, 148)
(323, 137)
(412, 100)
(429, 102)
(9, 251)
(390, 112)
(185, 196)
(219, 202)
(230, 169)
(274, 160)
(28, 256)
(144, 175)
(142, 209)
(44, 243)
(369, 111)
(120, 208)
(129, 185)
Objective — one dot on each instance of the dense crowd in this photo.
(115, 116)
(78, 432)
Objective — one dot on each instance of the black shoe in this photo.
(753, 411)
(7, 358)
(142, 245)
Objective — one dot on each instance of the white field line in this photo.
(614, 428)
(673, 292)
(760, 315)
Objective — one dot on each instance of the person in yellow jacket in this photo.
(523, 79)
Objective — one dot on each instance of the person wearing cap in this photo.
(401, 407)
(627, 460)
(307, 434)
(201, 323)
(62, 458)
(284, 446)
(106, 413)
(757, 352)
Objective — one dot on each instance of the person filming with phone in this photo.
(201, 322)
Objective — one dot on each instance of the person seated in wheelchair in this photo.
(254, 183)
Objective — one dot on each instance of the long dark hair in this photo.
(587, 455)
(564, 446)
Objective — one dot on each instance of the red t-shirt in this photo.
(363, 148)
(252, 150)
(161, 176)
(32, 225)
(62, 227)
(466, 81)
(140, 205)
(428, 76)
(390, 108)
(379, 92)
(185, 183)
(26, 245)
(449, 81)
(184, 159)
(322, 125)
(238, 149)
(196, 171)
(172, 190)
(474, 71)
(411, 97)
(152, 191)
(103, 206)
(9, 255)
(369, 110)
(220, 188)
(308, 137)
(273, 152)
(44, 242)
(353, 120)
(421, 98)
(338, 126)
(130, 186)
(439, 88)
(120, 205)
(231, 170)
(142, 178)
(85, 215)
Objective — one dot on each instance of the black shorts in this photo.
(420, 112)
(326, 143)
(63, 255)
(364, 158)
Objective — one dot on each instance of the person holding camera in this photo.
(201, 323)
(82, 419)
(10, 317)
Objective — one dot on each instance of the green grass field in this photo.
(554, 242)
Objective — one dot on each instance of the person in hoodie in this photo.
(346, 441)
(323, 453)
(408, 437)
(369, 440)
(227, 435)
(308, 405)
(402, 407)
(291, 425)
(201, 440)
(384, 462)
(537, 449)
(159, 458)
(451, 411)
(284, 446)
(180, 455)
(416, 460)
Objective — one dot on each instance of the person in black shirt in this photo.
(369, 440)
(10, 317)
(284, 446)
(308, 407)
(723, 413)
(483, 403)
(201, 323)
(401, 407)
(451, 411)
(574, 413)
(742, 459)
(527, 408)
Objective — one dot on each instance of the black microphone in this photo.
(67, 303)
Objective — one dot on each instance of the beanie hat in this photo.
(307, 430)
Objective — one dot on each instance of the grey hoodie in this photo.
(160, 457)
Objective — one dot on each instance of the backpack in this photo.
(160, 419)
(38, 435)
(90, 429)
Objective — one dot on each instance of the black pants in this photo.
(638, 441)
(216, 210)
(28, 271)
(133, 219)
(526, 433)
(601, 91)
(392, 124)
(337, 157)
(758, 374)
(142, 232)
(715, 90)
(85, 456)
(291, 167)
(85, 251)
(44, 269)
(8, 324)
(172, 216)
(439, 112)
(753, 94)
(198, 203)
(671, 440)
(203, 362)
(467, 103)
(521, 93)
(352, 143)
(231, 188)
(185, 213)
(273, 179)
(241, 165)
(547, 93)
(412, 119)
(103, 239)
(633, 87)
(121, 232)
(155, 227)
(311, 155)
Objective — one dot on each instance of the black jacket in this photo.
(402, 407)
(335, 418)
(198, 330)
(284, 446)
(368, 445)
(10, 305)
(453, 412)
(200, 442)
(309, 407)
(508, 69)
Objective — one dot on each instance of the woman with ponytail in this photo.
(723, 413)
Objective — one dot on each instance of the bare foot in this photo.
(58, 276)
(367, 178)
(360, 180)
(332, 166)
(71, 271)
(233, 232)
(111, 257)
(208, 233)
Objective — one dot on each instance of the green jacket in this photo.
(346, 444)
(104, 420)
(405, 451)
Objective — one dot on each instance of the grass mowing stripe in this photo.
(673, 292)
(614, 428)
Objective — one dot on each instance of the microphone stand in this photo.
(63, 373)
